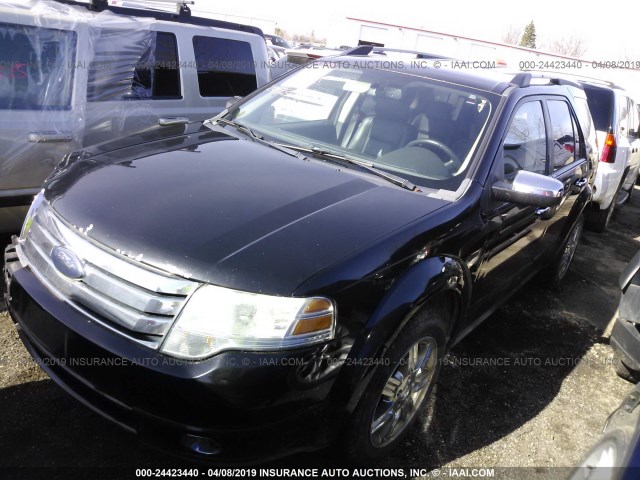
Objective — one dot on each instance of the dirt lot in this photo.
(541, 408)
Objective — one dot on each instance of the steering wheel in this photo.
(452, 164)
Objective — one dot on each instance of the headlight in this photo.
(216, 319)
(26, 226)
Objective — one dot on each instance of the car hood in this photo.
(230, 211)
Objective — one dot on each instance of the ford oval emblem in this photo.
(67, 263)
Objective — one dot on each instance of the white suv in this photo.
(71, 76)
(615, 116)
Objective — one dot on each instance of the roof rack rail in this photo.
(526, 79)
(181, 6)
(181, 15)
(522, 79)
(580, 78)
(417, 53)
(363, 50)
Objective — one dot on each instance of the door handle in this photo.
(542, 211)
(169, 121)
(49, 137)
(581, 183)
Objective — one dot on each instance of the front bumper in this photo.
(248, 406)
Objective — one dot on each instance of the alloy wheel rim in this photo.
(403, 392)
(570, 249)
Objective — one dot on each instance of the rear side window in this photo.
(525, 146)
(158, 76)
(36, 67)
(225, 67)
(600, 102)
(149, 69)
(584, 117)
(562, 133)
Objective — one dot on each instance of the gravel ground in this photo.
(531, 387)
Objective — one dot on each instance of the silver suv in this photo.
(76, 75)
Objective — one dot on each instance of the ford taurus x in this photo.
(289, 275)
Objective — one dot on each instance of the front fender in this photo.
(441, 277)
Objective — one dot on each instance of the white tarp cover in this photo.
(65, 71)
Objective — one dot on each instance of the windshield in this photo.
(421, 129)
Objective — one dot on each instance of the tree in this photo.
(529, 36)
(512, 37)
(573, 47)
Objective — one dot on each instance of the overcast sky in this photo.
(610, 32)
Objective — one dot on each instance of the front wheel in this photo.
(399, 388)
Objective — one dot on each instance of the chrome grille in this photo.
(122, 294)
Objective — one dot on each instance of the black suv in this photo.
(290, 274)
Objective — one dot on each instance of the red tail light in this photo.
(609, 149)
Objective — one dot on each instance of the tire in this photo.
(554, 275)
(598, 220)
(390, 405)
(625, 372)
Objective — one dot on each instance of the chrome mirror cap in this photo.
(530, 188)
(539, 185)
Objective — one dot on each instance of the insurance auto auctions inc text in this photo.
(368, 473)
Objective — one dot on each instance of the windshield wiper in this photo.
(240, 127)
(292, 149)
(255, 136)
(369, 167)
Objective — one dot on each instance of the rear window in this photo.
(600, 103)
(36, 67)
(225, 67)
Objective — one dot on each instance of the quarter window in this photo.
(562, 133)
(525, 146)
(225, 67)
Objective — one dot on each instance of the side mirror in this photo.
(632, 133)
(231, 101)
(530, 188)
